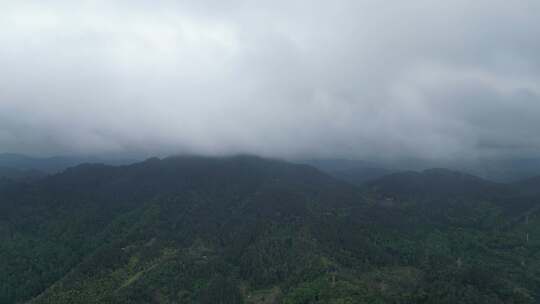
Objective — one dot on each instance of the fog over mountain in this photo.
(359, 79)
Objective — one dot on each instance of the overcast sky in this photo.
(356, 79)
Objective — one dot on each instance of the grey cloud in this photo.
(360, 79)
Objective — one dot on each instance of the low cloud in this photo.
(358, 79)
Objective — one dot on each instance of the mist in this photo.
(356, 79)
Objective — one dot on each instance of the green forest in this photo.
(252, 230)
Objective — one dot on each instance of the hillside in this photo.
(251, 230)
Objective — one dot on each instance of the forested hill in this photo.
(251, 230)
(439, 184)
(437, 187)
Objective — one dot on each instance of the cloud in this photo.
(361, 79)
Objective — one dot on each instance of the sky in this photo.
(356, 79)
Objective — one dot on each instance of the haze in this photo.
(358, 79)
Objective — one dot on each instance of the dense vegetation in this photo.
(250, 230)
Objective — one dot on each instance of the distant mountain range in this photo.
(353, 171)
(17, 166)
(499, 170)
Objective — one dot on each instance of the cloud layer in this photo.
(358, 78)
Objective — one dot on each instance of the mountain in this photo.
(505, 170)
(177, 202)
(246, 229)
(50, 164)
(445, 188)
